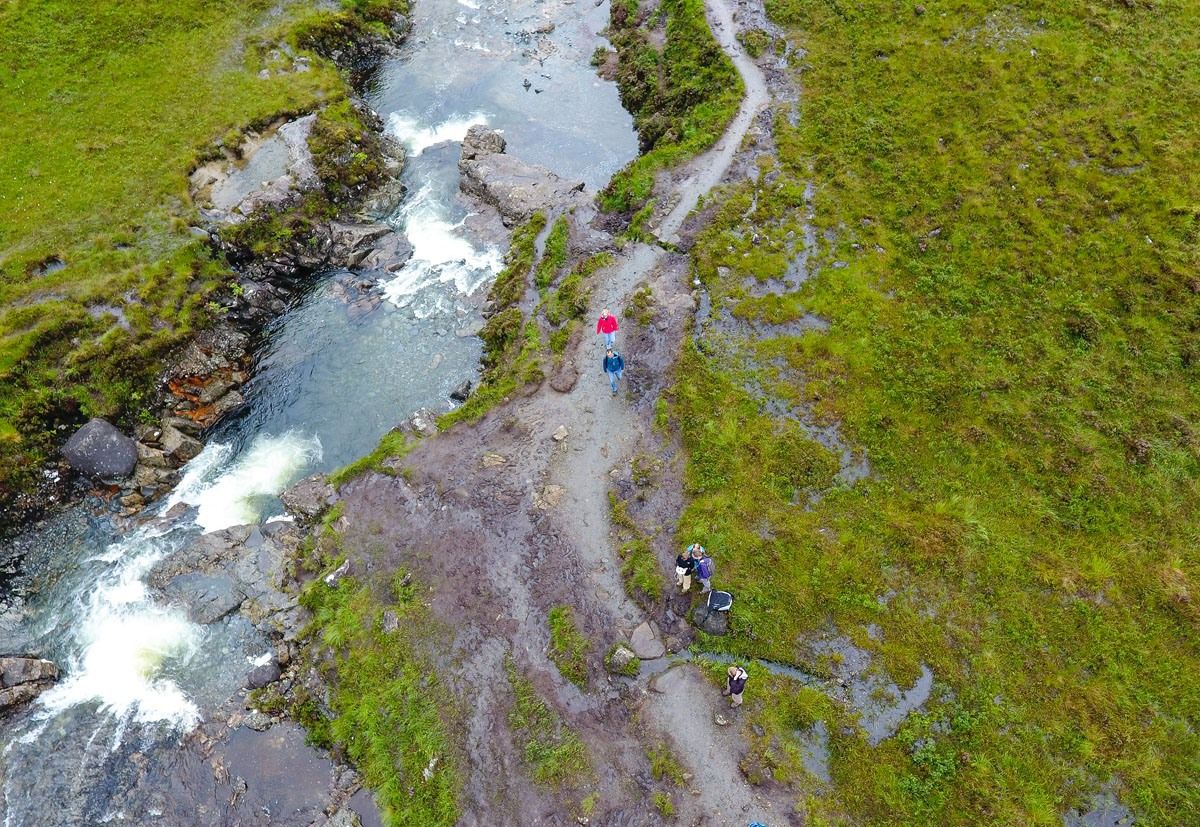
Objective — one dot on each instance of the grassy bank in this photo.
(681, 93)
(107, 107)
(1010, 199)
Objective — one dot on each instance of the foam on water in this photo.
(237, 496)
(418, 137)
(440, 253)
(124, 641)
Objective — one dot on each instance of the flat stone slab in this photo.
(645, 643)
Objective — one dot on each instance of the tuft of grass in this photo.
(664, 803)
(393, 445)
(554, 254)
(629, 670)
(568, 646)
(664, 764)
(639, 563)
(553, 752)
(385, 698)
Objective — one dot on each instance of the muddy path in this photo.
(504, 521)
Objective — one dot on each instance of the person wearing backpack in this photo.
(614, 365)
(704, 567)
(735, 685)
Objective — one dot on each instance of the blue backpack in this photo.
(704, 568)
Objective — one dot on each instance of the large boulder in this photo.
(309, 498)
(23, 678)
(98, 449)
(516, 189)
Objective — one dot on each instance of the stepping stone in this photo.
(645, 643)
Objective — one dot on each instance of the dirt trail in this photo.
(504, 522)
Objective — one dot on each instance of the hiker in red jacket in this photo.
(607, 324)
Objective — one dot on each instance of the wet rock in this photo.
(481, 141)
(179, 445)
(344, 817)
(338, 574)
(181, 423)
(424, 422)
(516, 189)
(565, 376)
(353, 242)
(620, 659)
(206, 597)
(258, 721)
(151, 457)
(645, 642)
(211, 350)
(714, 623)
(98, 449)
(309, 498)
(264, 675)
(23, 678)
(549, 497)
(462, 392)
(215, 389)
(227, 404)
(389, 254)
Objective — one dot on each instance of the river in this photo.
(328, 382)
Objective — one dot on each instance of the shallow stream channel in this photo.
(110, 743)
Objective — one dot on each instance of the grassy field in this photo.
(106, 107)
(1009, 196)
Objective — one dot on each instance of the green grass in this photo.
(1013, 343)
(568, 646)
(389, 711)
(108, 106)
(664, 803)
(554, 254)
(552, 751)
(681, 98)
(630, 669)
(393, 445)
(639, 563)
(665, 765)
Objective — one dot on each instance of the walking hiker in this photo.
(735, 684)
(607, 325)
(685, 564)
(704, 567)
(614, 366)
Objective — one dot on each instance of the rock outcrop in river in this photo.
(23, 678)
(513, 187)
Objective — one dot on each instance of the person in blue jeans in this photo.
(614, 366)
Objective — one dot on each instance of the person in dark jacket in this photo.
(735, 685)
(614, 365)
(606, 325)
(685, 564)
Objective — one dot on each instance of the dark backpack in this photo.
(705, 568)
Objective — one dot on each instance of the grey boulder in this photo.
(98, 449)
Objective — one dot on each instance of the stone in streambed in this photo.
(462, 392)
(179, 445)
(309, 498)
(98, 449)
(207, 597)
(23, 678)
(516, 189)
(645, 643)
(264, 675)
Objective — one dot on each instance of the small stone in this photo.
(258, 721)
(493, 460)
(261, 676)
(561, 433)
(620, 658)
(645, 642)
(462, 392)
(721, 720)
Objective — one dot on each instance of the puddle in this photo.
(99, 311)
(1104, 810)
(47, 266)
(814, 751)
(881, 705)
(363, 804)
(265, 163)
